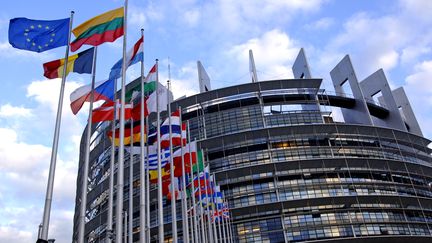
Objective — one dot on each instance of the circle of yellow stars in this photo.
(39, 26)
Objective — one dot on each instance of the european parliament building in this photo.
(289, 169)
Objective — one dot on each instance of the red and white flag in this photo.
(106, 112)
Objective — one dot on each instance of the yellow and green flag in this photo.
(106, 27)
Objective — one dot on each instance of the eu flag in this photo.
(38, 35)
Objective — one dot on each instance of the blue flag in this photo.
(38, 35)
(116, 69)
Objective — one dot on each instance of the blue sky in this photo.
(390, 34)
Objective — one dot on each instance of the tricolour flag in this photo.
(103, 90)
(106, 27)
(164, 130)
(106, 112)
(133, 56)
(151, 107)
(78, 63)
(38, 35)
(130, 135)
(176, 131)
(149, 85)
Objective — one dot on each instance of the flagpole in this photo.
(112, 167)
(228, 219)
(223, 226)
(173, 196)
(83, 204)
(203, 239)
(159, 168)
(51, 175)
(120, 173)
(125, 216)
(207, 204)
(215, 233)
(142, 161)
(147, 176)
(132, 138)
(195, 223)
(210, 232)
(185, 223)
(229, 236)
(217, 211)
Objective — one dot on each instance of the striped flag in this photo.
(175, 129)
(133, 56)
(78, 63)
(103, 90)
(106, 27)
(130, 135)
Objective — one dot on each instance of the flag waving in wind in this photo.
(38, 35)
(106, 27)
(151, 103)
(149, 86)
(78, 63)
(132, 56)
(106, 112)
(103, 90)
(176, 129)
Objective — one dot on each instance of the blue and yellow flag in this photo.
(38, 35)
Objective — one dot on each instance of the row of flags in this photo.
(43, 35)
(186, 153)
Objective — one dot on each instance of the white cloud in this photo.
(15, 231)
(420, 79)
(8, 110)
(46, 94)
(372, 48)
(184, 79)
(25, 149)
(391, 41)
(273, 53)
(20, 157)
(412, 53)
(417, 9)
(321, 24)
(136, 17)
(419, 91)
(140, 17)
(10, 234)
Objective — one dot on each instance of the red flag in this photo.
(106, 112)
(136, 110)
(189, 155)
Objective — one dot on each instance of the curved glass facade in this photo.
(292, 174)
